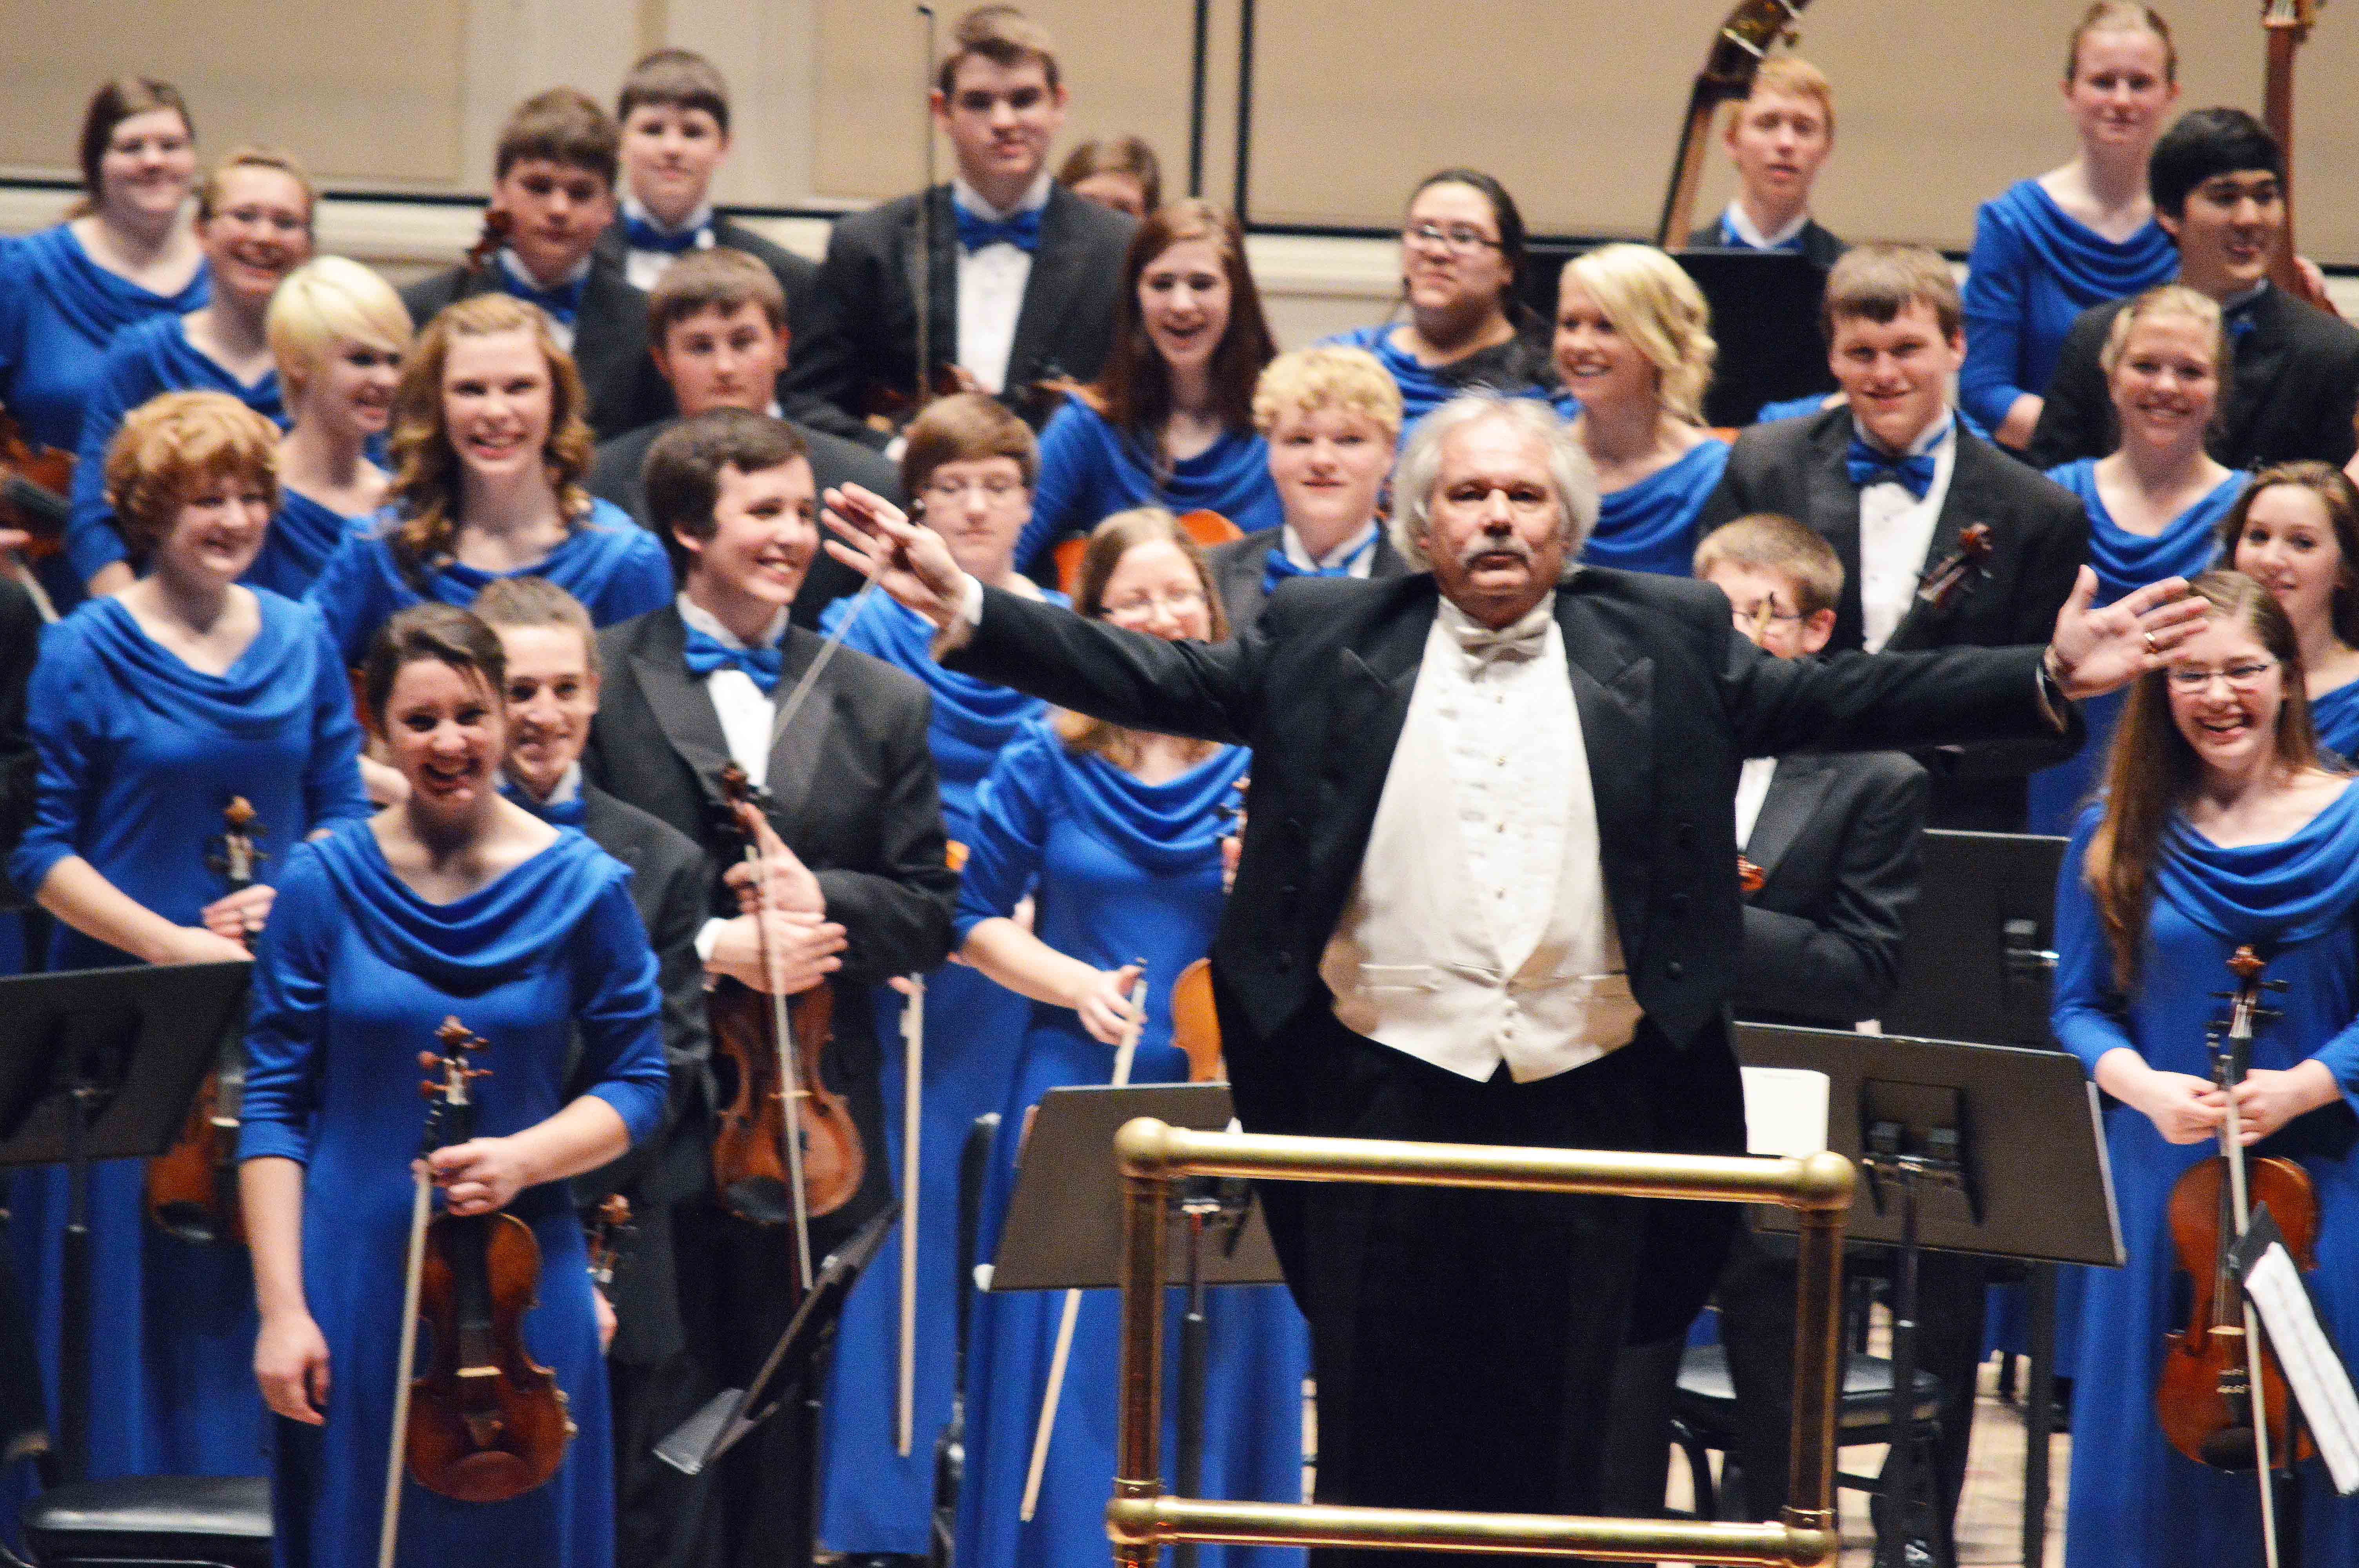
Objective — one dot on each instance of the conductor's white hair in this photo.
(1569, 471)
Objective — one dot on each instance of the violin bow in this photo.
(1124, 1054)
(913, 1041)
(2243, 1008)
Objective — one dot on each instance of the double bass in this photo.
(2286, 24)
(1743, 41)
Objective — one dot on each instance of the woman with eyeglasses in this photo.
(969, 467)
(1117, 835)
(2219, 827)
(1466, 325)
(1170, 421)
(2295, 531)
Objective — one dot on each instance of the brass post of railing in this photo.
(1141, 1521)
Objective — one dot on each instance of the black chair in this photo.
(153, 1521)
(1703, 1416)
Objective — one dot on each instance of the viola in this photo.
(192, 1186)
(771, 1047)
(35, 486)
(2216, 1379)
(485, 1422)
(1958, 572)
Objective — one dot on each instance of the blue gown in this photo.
(1650, 526)
(2134, 1502)
(874, 1500)
(617, 568)
(1425, 388)
(59, 311)
(1090, 470)
(2033, 270)
(2125, 562)
(2335, 716)
(153, 357)
(303, 535)
(139, 754)
(353, 975)
(1125, 870)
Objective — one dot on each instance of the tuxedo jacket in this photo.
(798, 275)
(1237, 566)
(1820, 247)
(2294, 388)
(864, 320)
(2039, 535)
(610, 341)
(1837, 844)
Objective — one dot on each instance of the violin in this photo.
(192, 1186)
(35, 484)
(606, 1237)
(1961, 569)
(497, 226)
(2221, 1398)
(485, 1422)
(771, 1046)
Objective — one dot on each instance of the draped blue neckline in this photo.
(181, 366)
(253, 696)
(2089, 267)
(2285, 894)
(472, 942)
(2125, 561)
(2335, 716)
(1650, 525)
(100, 303)
(1422, 388)
(977, 710)
(303, 535)
(1165, 829)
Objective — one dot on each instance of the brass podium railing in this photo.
(1142, 1520)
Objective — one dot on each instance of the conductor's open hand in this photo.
(2097, 650)
(482, 1175)
(876, 539)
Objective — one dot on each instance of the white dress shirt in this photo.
(991, 287)
(1752, 789)
(1356, 555)
(1740, 223)
(1896, 529)
(560, 330)
(746, 711)
(646, 268)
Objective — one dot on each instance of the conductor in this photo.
(1485, 897)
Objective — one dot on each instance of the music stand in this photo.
(103, 1065)
(1986, 1149)
(1976, 961)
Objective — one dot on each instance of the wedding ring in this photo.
(2149, 644)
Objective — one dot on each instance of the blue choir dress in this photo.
(147, 360)
(2033, 270)
(617, 568)
(1517, 368)
(1650, 526)
(2125, 562)
(139, 755)
(59, 311)
(2134, 1502)
(2335, 716)
(303, 535)
(1125, 871)
(353, 976)
(1090, 470)
(874, 1499)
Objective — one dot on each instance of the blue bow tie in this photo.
(645, 236)
(2242, 321)
(1730, 240)
(976, 231)
(1867, 465)
(707, 654)
(563, 303)
(1278, 566)
(556, 813)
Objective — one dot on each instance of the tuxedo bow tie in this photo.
(1278, 566)
(563, 303)
(1518, 641)
(707, 654)
(976, 231)
(647, 236)
(1867, 465)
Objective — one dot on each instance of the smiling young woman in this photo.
(2295, 531)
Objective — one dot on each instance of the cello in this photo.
(1743, 41)
(2286, 24)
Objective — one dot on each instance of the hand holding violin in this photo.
(2268, 1098)
(1105, 1003)
(791, 887)
(197, 945)
(240, 916)
(802, 951)
(482, 1175)
(2184, 1109)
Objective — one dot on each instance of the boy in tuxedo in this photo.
(553, 178)
(1777, 139)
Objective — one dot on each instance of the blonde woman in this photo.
(1634, 346)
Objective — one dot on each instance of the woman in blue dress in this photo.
(2156, 505)
(1466, 325)
(338, 332)
(2220, 828)
(2079, 235)
(2295, 531)
(1170, 421)
(970, 465)
(1121, 833)
(1633, 347)
(488, 450)
(254, 221)
(151, 712)
(457, 902)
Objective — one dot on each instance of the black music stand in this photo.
(1064, 1228)
(1986, 1149)
(103, 1065)
(1977, 954)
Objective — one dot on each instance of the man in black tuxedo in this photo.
(1431, 938)
(858, 861)
(2217, 178)
(718, 329)
(1777, 139)
(1893, 481)
(1023, 274)
(553, 178)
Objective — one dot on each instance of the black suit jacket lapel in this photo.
(794, 758)
(1795, 791)
(683, 707)
(1614, 693)
(1032, 354)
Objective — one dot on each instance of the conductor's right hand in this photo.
(876, 539)
(291, 1363)
(1105, 1004)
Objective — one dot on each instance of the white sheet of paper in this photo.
(2311, 1366)
(1786, 1111)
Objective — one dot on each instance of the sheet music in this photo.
(1786, 1110)
(2311, 1367)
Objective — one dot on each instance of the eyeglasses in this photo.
(950, 491)
(1136, 611)
(1763, 613)
(1458, 238)
(2190, 679)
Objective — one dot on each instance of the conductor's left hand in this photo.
(2096, 651)
(482, 1175)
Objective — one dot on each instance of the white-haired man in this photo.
(1486, 897)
